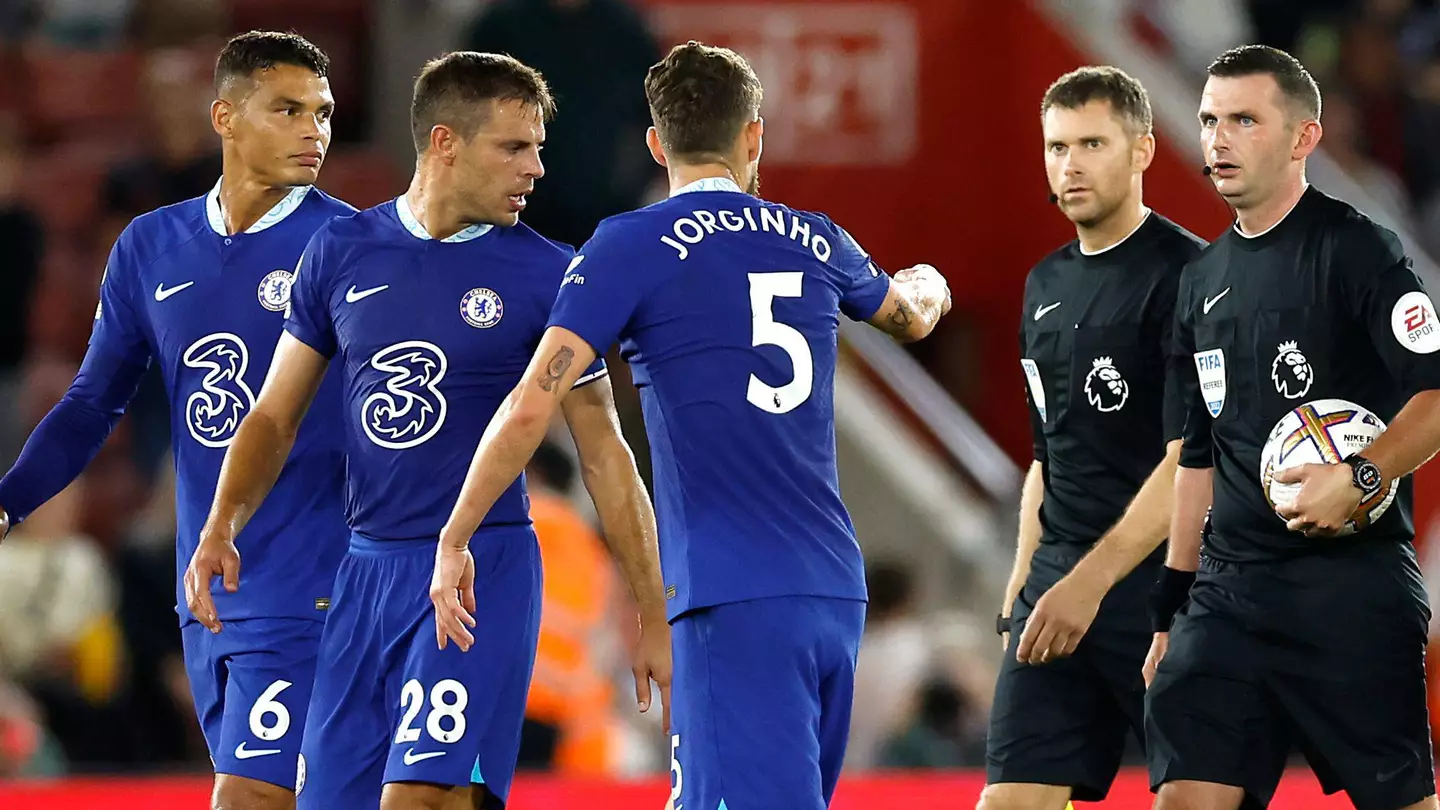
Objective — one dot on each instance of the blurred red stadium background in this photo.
(945, 168)
(895, 792)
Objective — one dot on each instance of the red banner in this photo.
(956, 790)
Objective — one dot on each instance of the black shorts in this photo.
(1324, 654)
(1066, 722)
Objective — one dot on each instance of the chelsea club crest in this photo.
(481, 308)
(274, 291)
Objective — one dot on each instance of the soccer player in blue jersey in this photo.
(726, 307)
(200, 288)
(431, 306)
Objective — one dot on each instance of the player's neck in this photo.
(1112, 230)
(245, 199)
(1266, 215)
(430, 202)
(683, 174)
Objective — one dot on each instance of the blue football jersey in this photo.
(209, 307)
(431, 336)
(727, 309)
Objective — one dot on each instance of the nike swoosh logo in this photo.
(351, 295)
(161, 293)
(1041, 312)
(411, 757)
(241, 752)
(1383, 776)
(1211, 302)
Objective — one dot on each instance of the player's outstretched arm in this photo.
(509, 441)
(1064, 614)
(627, 522)
(251, 467)
(73, 431)
(1031, 496)
(917, 298)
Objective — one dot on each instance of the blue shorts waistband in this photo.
(363, 544)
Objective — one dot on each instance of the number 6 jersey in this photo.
(727, 308)
(207, 307)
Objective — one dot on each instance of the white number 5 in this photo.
(764, 289)
(678, 784)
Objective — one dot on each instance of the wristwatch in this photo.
(1365, 475)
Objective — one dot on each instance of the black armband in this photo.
(1171, 591)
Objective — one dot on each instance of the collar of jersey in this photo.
(1304, 192)
(1145, 217)
(407, 218)
(287, 205)
(708, 184)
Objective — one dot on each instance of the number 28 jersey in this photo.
(727, 309)
(431, 336)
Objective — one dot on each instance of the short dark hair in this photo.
(1295, 82)
(453, 90)
(700, 98)
(1123, 92)
(254, 51)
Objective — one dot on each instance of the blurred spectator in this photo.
(89, 24)
(569, 718)
(23, 237)
(1370, 68)
(189, 23)
(1343, 141)
(936, 738)
(945, 725)
(894, 657)
(158, 693)
(58, 632)
(182, 157)
(1423, 129)
(594, 54)
(27, 749)
(1281, 23)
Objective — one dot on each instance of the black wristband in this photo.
(1171, 591)
(1002, 625)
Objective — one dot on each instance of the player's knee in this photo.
(1198, 796)
(1019, 796)
(425, 796)
(238, 793)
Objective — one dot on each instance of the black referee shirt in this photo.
(1323, 305)
(1095, 346)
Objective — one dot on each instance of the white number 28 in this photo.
(448, 700)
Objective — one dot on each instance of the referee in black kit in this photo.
(1292, 638)
(1095, 343)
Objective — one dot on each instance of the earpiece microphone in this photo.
(1207, 171)
(1054, 198)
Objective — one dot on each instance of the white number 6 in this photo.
(267, 704)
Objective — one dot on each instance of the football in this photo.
(1325, 431)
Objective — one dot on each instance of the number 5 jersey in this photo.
(727, 307)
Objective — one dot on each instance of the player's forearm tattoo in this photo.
(901, 318)
(556, 368)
